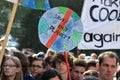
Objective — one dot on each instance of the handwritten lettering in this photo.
(101, 38)
(57, 32)
(109, 15)
(58, 17)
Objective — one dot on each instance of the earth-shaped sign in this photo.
(60, 29)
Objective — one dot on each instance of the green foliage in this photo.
(75, 5)
(30, 32)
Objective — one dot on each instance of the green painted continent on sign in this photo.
(76, 37)
(44, 27)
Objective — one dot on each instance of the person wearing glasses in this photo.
(79, 67)
(11, 69)
(37, 67)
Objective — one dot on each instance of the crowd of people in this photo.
(52, 65)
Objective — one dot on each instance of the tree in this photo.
(30, 32)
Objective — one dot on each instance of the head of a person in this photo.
(94, 56)
(24, 61)
(11, 68)
(59, 62)
(108, 61)
(51, 74)
(88, 73)
(79, 67)
(91, 65)
(37, 66)
(82, 56)
(49, 52)
(28, 51)
(48, 61)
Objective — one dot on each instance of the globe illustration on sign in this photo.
(36, 4)
(60, 29)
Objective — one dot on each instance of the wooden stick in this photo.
(8, 31)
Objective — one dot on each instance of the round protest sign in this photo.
(60, 29)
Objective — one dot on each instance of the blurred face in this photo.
(92, 68)
(107, 68)
(94, 57)
(55, 78)
(10, 68)
(36, 67)
(48, 66)
(77, 72)
(61, 67)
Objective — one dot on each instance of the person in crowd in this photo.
(51, 74)
(93, 56)
(49, 52)
(39, 54)
(48, 61)
(108, 63)
(37, 67)
(25, 65)
(117, 75)
(29, 52)
(79, 67)
(92, 65)
(90, 78)
(82, 56)
(59, 63)
(90, 73)
(10, 50)
(12, 69)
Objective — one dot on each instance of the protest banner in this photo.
(101, 23)
(62, 30)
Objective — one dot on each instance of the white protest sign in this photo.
(101, 22)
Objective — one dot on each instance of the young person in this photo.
(79, 67)
(11, 69)
(25, 65)
(59, 63)
(37, 67)
(51, 74)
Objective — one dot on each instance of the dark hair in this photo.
(90, 78)
(110, 54)
(38, 59)
(80, 62)
(60, 57)
(91, 73)
(48, 59)
(118, 73)
(50, 73)
(24, 61)
(91, 63)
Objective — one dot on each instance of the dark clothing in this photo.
(38, 76)
(28, 76)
